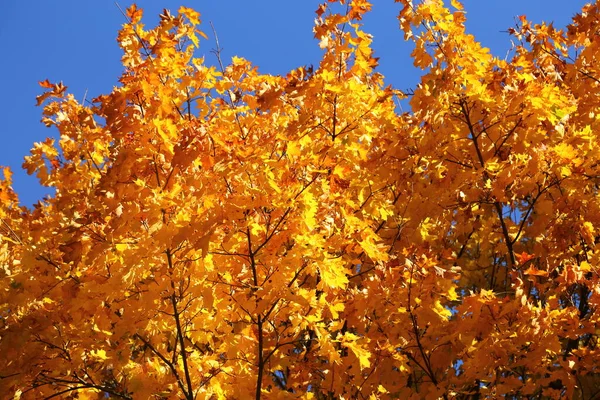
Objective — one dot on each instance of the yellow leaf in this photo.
(349, 340)
(456, 4)
(293, 149)
(191, 14)
(585, 266)
(565, 171)
(257, 228)
(452, 295)
(167, 131)
(442, 311)
(310, 210)
(88, 394)
(333, 272)
(384, 212)
(565, 151)
(335, 309)
(375, 252)
(99, 354)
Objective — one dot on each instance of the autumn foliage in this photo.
(218, 233)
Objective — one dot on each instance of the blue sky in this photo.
(74, 41)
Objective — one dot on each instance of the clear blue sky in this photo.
(74, 41)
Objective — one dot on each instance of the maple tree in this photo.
(217, 233)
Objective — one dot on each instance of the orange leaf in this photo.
(534, 271)
(46, 84)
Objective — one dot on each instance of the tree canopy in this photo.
(218, 233)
